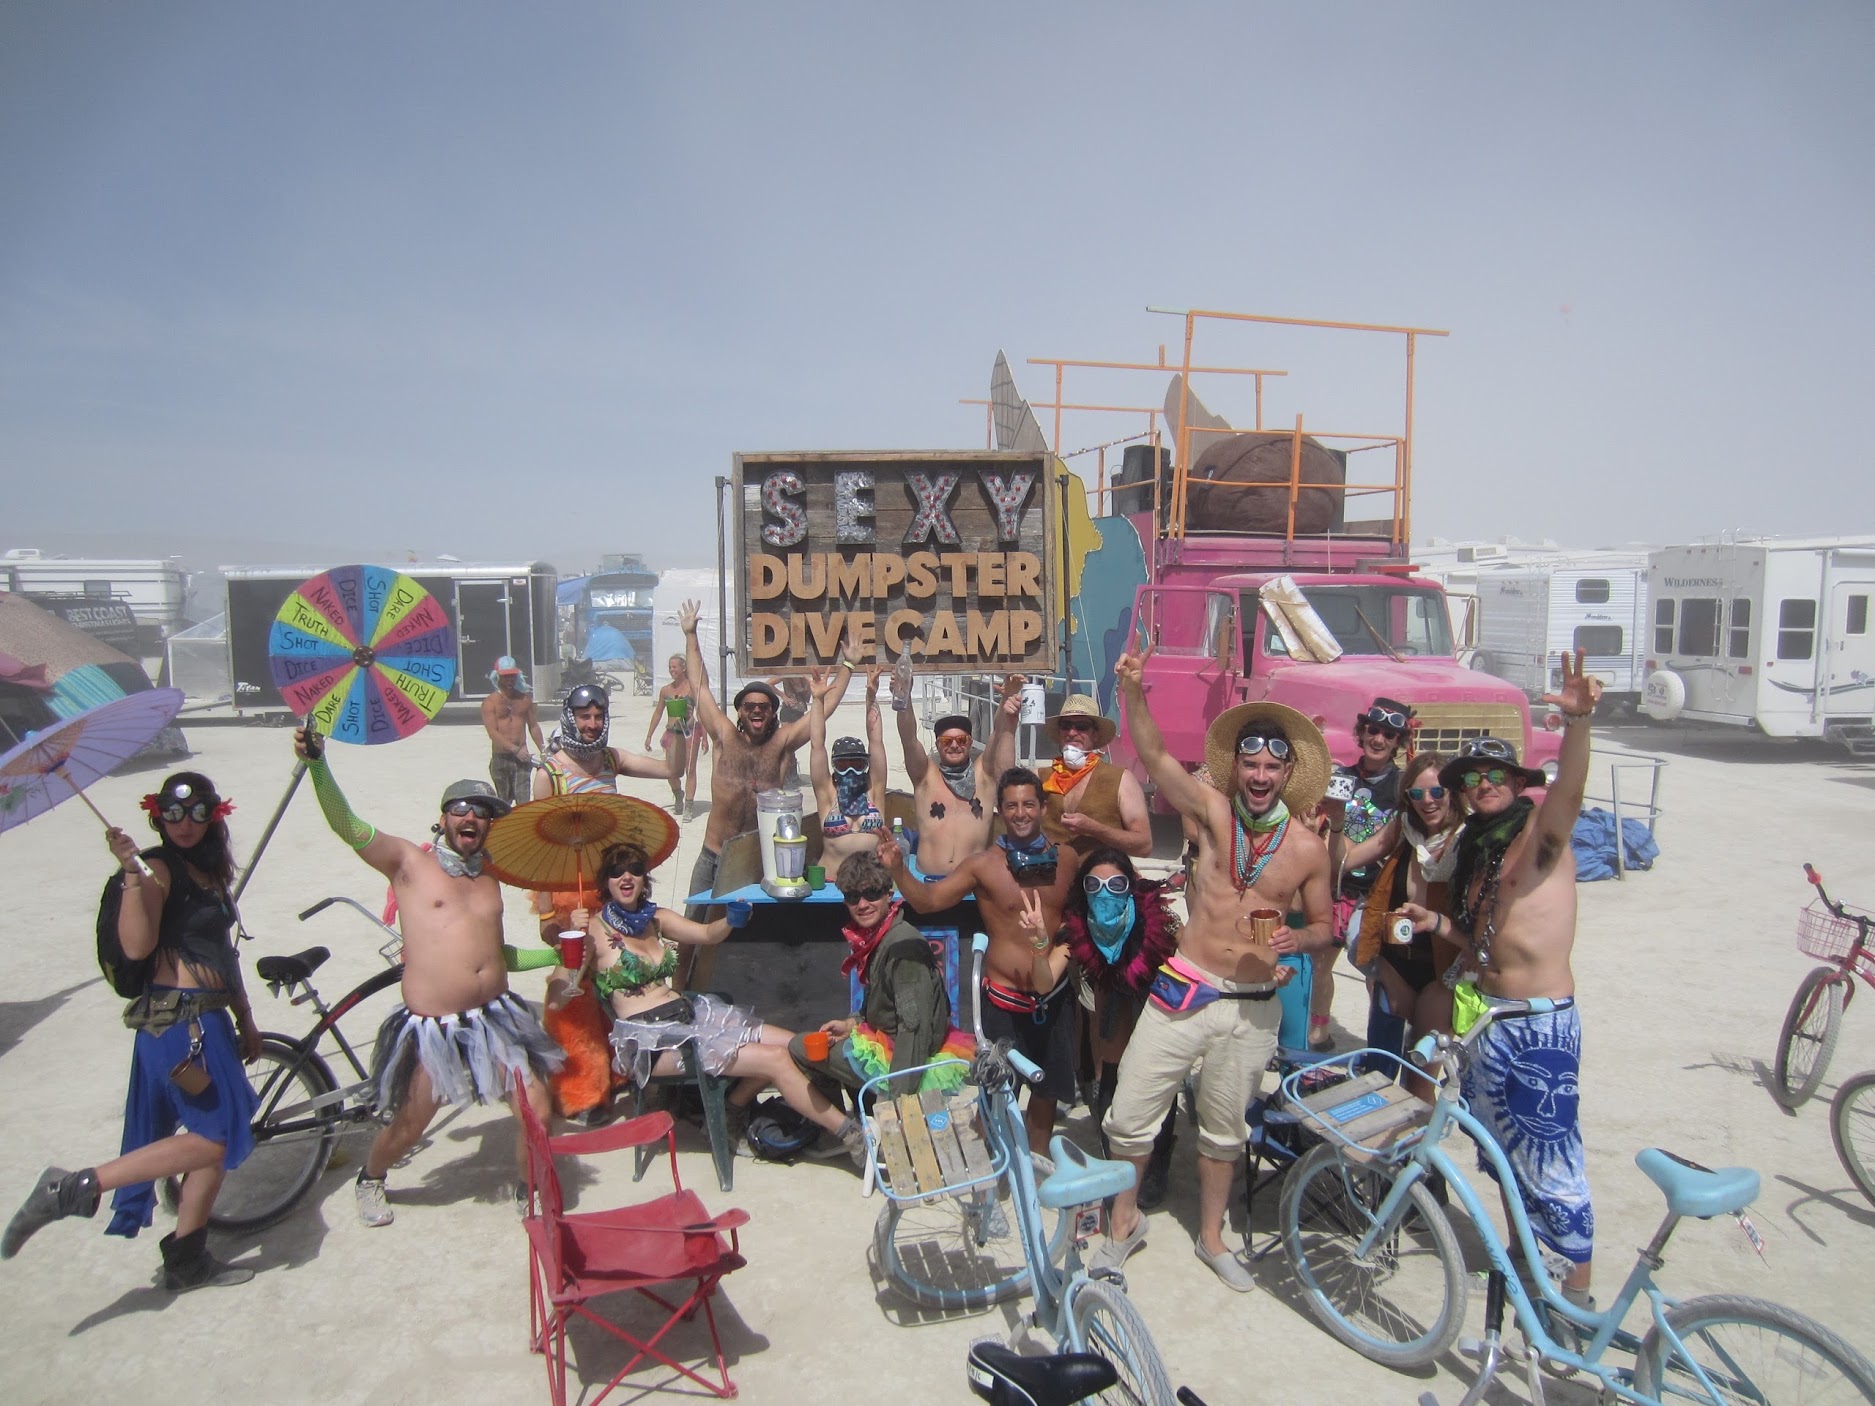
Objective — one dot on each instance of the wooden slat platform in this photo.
(929, 1143)
(1371, 1111)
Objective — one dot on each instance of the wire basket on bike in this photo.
(922, 1145)
(1369, 1113)
(1820, 933)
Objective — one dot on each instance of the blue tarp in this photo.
(1594, 840)
(604, 644)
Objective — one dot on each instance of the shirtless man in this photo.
(1088, 802)
(1513, 898)
(1250, 855)
(948, 786)
(680, 732)
(459, 1033)
(577, 758)
(1026, 996)
(509, 719)
(752, 752)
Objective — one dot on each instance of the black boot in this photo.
(1159, 1165)
(57, 1194)
(1103, 1100)
(187, 1265)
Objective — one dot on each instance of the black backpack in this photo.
(777, 1133)
(127, 978)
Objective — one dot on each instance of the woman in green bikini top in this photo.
(631, 951)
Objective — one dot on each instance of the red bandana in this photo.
(862, 944)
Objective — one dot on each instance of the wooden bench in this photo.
(929, 1144)
(1370, 1111)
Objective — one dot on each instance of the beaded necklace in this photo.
(1248, 855)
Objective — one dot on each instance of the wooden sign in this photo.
(947, 557)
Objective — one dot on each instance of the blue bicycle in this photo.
(1380, 1266)
(962, 1226)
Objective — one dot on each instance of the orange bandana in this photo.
(1061, 781)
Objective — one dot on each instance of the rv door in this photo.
(481, 633)
(1850, 686)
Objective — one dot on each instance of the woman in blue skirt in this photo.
(189, 1107)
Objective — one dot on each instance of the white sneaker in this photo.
(374, 1201)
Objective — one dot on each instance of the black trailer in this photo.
(497, 608)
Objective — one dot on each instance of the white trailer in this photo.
(1772, 634)
(1530, 613)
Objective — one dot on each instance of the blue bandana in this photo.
(1109, 921)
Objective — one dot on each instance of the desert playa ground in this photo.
(1683, 973)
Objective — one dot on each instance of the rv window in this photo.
(1738, 646)
(97, 590)
(1601, 639)
(1699, 627)
(1796, 629)
(1858, 615)
(1592, 591)
(1663, 626)
(1220, 626)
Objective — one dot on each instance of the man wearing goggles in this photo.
(949, 782)
(1214, 1001)
(1088, 802)
(1513, 903)
(1372, 787)
(459, 1034)
(750, 753)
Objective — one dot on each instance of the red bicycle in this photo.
(1839, 936)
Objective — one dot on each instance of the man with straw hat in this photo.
(1088, 802)
(1215, 1000)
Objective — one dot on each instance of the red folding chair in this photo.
(667, 1244)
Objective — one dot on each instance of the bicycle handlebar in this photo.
(1024, 1067)
(1438, 1044)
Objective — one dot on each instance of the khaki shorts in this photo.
(1235, 1040)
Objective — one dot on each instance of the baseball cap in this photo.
(506, 665)
(471, 789)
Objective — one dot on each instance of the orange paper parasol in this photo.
(556, 842)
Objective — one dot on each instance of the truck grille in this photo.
(1442, 726)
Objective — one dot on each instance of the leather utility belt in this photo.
(156, 1011)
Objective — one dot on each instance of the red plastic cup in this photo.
(817, 1045)
(572, 949)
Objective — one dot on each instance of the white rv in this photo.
(1768, 634)
(1530, 613)
(153, 589)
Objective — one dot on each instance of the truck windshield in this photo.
(1410, 621)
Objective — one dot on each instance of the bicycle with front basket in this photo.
(1839, 935)
(962, 1226)
(302, 1109)
(1381, 1269)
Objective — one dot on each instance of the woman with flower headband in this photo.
(189, 1107)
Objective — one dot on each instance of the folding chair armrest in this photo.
(731, 1219)
(633, 1132)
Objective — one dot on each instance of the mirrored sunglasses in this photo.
(1251, 745)
(1496, 775)
(470, 807)
(1113, 883)
(1425, 793)
(1387, 717)
(198, 811)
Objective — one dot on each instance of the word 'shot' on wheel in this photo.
(1839, 935)
(1380, 1268)
(962, 1226)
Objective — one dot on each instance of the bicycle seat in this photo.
(1007, 1378)
(290, 970)
(1079, 1179)
(1693, 1190)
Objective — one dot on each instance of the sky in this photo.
(297, 282)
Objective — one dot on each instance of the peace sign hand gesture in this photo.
(1579, 692)
(1034, 920)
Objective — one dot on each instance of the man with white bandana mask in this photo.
(1088, 803)
(459, 1034)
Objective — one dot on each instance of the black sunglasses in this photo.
(199, 811)
(1113, 883)
(637, 871)
(470, 807)
(1251, 745)
(868, 895)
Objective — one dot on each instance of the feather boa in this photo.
(1153, 939)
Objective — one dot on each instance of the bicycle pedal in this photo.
(1109, 1276)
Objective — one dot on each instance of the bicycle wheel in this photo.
(954, 1252)
(1808, 1038)
(291, 1144)
(1751, 1351)
(1104, 1320)
(1852, 1128)
(1403, 1304)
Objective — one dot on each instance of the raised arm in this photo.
(925, 897)
(793, 734)
(916, 762)
(819, 770)
(708, 713)
(384, 853)
(875, 741)
(1182, 791)
(1562, 803)
(999, 753)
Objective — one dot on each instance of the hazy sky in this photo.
(516, 281)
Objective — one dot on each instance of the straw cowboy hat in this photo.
(1307, 783)
(1081, 705)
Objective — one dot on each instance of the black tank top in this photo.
(197, 922)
